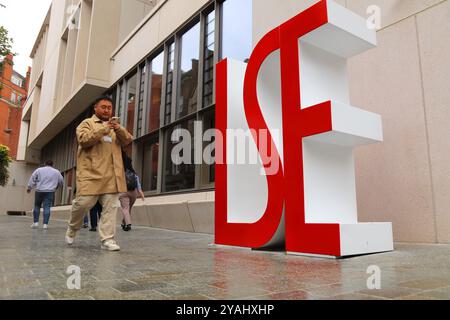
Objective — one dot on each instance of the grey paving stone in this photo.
(162, 264)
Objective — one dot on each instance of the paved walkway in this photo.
(161, 264)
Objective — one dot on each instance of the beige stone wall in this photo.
(13, 197)
(406, 179)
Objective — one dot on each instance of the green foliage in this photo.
(5, 160)
(5, 42)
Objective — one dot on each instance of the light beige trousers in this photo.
(107, 225)
(127, 201)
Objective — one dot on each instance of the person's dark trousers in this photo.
(95, 214)
(44, 199)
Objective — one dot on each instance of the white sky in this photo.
(23, 20)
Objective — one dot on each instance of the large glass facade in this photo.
(131, 103)
(150, 164)
(155, 83)
(208, 169)
(188, 72)
(169, 82)
(237, 31)
(208, 66)
(172, 88)
(120, 103)
(140, 108)
(179, 176)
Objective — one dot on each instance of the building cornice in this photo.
(45, 24)
(138, 27)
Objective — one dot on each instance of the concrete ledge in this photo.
(139, 216)
(172, 216)
(195, 215)
(202, 216)
(62, 213)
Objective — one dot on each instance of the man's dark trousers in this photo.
(44, 199)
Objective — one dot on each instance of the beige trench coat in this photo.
(99, 159)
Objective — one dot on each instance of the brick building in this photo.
(13, 94)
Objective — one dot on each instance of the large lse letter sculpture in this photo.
(295, 83)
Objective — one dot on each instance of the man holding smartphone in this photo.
(100, 173)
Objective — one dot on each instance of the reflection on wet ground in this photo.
(161, 264)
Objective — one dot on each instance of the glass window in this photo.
(237, 29)
(16, 81)
(120, 102)
(13, 97)
(155, 92)
(113, 95)
(131, 102)
(188, 77)
(140, 109)
(67, 193)
(150, 164)
(169, 83)
(179, 176)
(208, 167)
(208, 67)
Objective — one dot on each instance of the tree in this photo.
(5, 42)
(5, 160)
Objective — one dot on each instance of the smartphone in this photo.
(114, 120)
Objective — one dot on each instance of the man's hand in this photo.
(142, 195)
(28, 190)
(114, 126)
(107, 128)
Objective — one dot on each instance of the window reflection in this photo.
(150, 164)
(113, 95)
(188, 81)
(157, 66)
(208, 67)
(237, 29)
(179, 177)
(120, 102)
(142, 73)
(169, 83)
(131, 102)
(208, 172)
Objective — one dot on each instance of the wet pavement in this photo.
(160, 264)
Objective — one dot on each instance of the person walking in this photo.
(85, 221)
(127, 199)
(94, 215)
(46, 180)
(100, 173)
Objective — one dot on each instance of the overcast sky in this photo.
(23, 20)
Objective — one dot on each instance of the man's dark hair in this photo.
(102, 98)
(49, 163)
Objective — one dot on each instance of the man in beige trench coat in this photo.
(100, 172)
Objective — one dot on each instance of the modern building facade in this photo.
(156, 60)
(13, 94)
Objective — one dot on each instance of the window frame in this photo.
(188, 27)
(131, 74)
